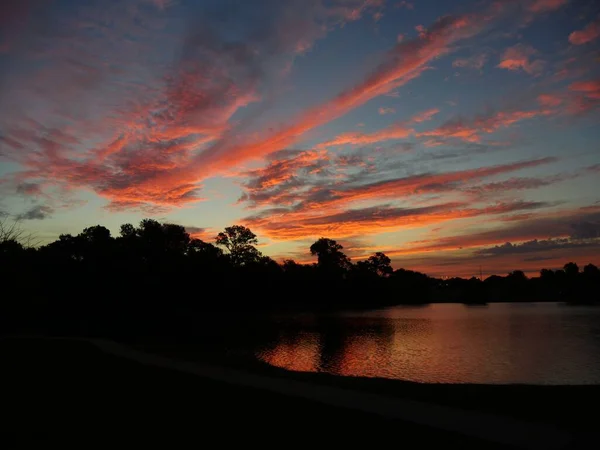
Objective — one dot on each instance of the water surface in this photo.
(535, 343)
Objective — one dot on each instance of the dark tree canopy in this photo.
(154, 278)
(571, 269)
(379, 264)
(239, 242)
(329, 255)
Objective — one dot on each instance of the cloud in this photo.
(403, 63)
(471, 131)
(519, 57)
(383, 111)
(585, 96)
(38, 212)
(287, 173)
(586, 229)
(373, 220)
(535, 246)
(394, 131)
(204, 234)
(425, 115)
(300, 205)
(405, 4)
(589, 88)
(589, 33)
(554, 225)
(513, 184)
(540, 6)
(549, 100)
(133, 113)
(300, 194)
(475, 62)
(29, 189)
(436, 182)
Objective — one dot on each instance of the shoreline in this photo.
(560, 405)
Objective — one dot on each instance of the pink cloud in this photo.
(589, 33)
(590, 88)
(519, 57)
(425, 115)
(471, 131)
(549, 100)
(540, 6)
(406, 61)
(395, 131)
(383, 111)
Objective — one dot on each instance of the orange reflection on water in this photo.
(451, 343)
(299, 353)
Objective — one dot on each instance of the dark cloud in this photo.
(38, 212)
(29, 189)
(570, 225)
(535, 246)
(586, 230)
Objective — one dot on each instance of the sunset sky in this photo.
(448, 134)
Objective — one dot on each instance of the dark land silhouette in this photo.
(156, 287)
(155, 278)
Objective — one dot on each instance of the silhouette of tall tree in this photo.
(330, 256)
(571, 269)
(379, 264)
(239, 242)
(591, 270)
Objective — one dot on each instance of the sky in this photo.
(456, 137)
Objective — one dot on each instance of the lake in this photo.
(534, 343)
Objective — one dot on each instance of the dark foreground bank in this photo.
(71, 389)
(567, 407)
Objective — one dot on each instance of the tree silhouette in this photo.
(378, 264)
(239, 242)
(150, 278)
(330, 256)
(591, 270)
(571, 269)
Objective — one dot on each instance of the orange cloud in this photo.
(589, 33)
(396, 131)
(325, 209)
(373, 220)
(471, 131)
(518, 57)
(405, 62)
(432, 182)
(425, 115)
(578, 224)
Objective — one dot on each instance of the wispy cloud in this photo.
(383, 111)
(475, 62)
(587, 34)
(38, 212)
(521, 57)
(472, 130)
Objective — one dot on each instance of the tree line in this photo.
(158, 271)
